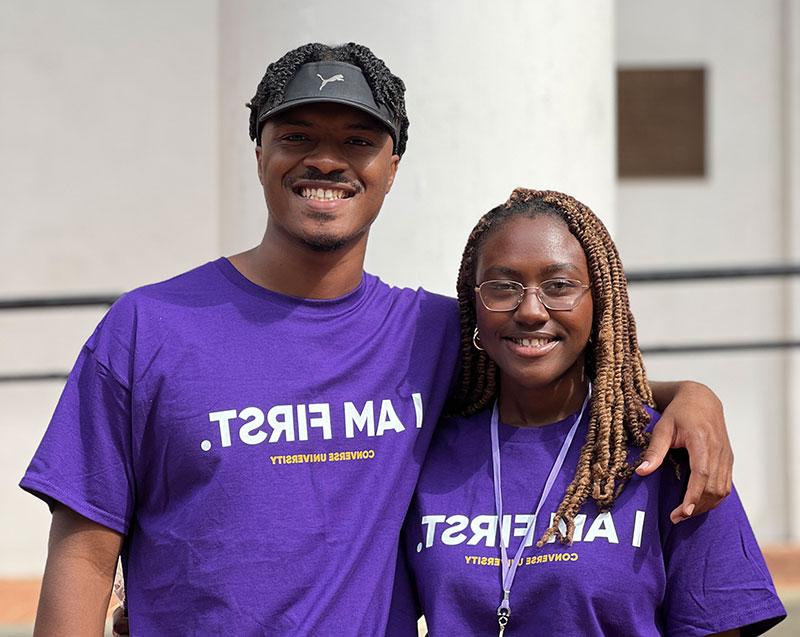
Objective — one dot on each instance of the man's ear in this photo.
(393, 172)
(259, 159)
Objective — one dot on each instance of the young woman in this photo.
(528, 518)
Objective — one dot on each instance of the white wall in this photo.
(109, 179)
(735, 215)
(109, 142)
(124, 155)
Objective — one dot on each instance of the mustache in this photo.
(314, 174)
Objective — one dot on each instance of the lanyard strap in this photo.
(510, 570)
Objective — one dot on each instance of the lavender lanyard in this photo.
(510, 570)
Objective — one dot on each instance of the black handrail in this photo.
(21, 378)
(54, 302)
(707, 274)
(634, 277)
(706, 348)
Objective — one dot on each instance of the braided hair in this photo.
(388, 89)
(613, 361)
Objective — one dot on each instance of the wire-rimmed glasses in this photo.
(554, 294)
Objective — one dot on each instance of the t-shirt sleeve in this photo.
(716, 576)
(84, 458)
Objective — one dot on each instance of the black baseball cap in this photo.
(335, 82)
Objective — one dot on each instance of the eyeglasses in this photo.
(554, 294)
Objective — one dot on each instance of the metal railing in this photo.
(57, 302)
(634, 278)
(50, 303)
(706, 274)
(711, 274)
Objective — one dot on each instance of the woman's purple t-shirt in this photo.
(258, 451)
(628, 572)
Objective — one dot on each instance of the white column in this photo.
(499, 95)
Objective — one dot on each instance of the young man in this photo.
(248, 434)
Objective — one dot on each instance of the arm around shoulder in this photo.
(81, 562)
(692, 419)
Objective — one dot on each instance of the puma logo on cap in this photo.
(335, 78)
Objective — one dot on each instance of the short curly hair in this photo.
(388, 89)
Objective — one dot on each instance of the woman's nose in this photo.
(531, 309)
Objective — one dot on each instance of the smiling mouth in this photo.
(532, 347)
(323, 194)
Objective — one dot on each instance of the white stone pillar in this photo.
(513, 93)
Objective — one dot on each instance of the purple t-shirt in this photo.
(258, 451)
(628, 572)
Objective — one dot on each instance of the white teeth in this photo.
(320, 194)
(532, 342)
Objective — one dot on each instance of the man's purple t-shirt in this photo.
(628, 572)
(258, 451)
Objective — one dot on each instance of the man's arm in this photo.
(692, 418)
(81, 562)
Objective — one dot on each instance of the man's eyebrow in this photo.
(280, 121)
(368, 125)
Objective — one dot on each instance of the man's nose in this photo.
(531, 310)
(326, 158)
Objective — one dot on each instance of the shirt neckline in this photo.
(327, 307)
(554, 430)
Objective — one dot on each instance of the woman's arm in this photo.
(81, 562)
(692, 418)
